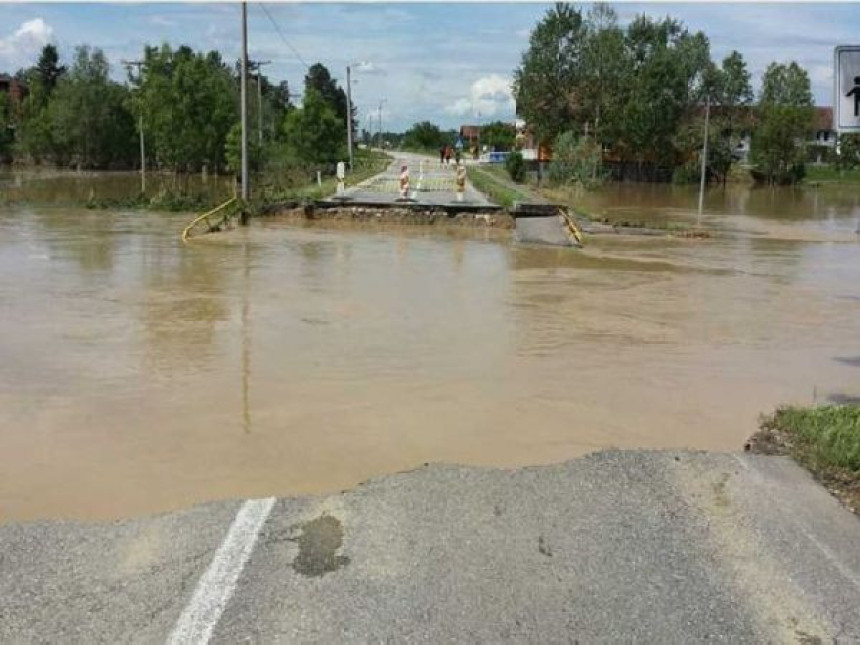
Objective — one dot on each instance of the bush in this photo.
(575, 160)
(817, 153)
(516, 166)
(849, 152)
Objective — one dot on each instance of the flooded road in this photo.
(138, 375)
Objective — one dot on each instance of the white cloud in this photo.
(488, 96)
(21, 47)
(366, 67)
(161, 21)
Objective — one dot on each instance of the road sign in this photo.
(846, 88)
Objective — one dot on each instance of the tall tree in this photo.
(548, 81)
(189, 102)
(667, 68)
(90, 123)
(314, 133)
(319, 79)
(48, 68)
(606, 73)
(785, 113)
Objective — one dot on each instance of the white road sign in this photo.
(846, 75)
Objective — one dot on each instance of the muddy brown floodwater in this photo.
(139, 375)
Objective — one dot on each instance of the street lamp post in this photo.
(258, 65)
(381, 103)
(349, 117)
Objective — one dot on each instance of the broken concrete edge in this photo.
(394, 214)
(382, 479)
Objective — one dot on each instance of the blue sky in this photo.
(441, 62)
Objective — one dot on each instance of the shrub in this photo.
(516, 166)
(575, 160)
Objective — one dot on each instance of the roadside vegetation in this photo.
(491, 181)
(75, 116)
(824, 439)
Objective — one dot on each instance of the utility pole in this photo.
(139, 64)
(349, 117)
(704, 161)
(380, 122)
(244, 96)
(257, 65)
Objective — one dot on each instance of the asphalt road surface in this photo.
(616, 546)
(434, 186)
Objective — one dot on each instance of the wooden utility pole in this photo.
(244, 98)
(139, 64)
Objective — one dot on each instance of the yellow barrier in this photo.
(205, 216)
(572, 228)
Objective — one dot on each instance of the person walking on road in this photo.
(448, 152)
(442, 155)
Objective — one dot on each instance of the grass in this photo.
(496, 189)
(825, 439)
(282, 186)
(831, 175)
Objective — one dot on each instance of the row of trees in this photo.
(188, 104)
(640, 92)
(425, 135)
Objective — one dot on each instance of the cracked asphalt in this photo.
(627, 546)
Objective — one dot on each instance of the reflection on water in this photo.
(47, 186)
(138, 374)
(789, 213)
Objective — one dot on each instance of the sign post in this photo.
(846, 88)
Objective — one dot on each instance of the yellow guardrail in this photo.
(205, 217)
(572, 229)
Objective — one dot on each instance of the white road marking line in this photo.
(217, 584)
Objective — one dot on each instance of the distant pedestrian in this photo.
(442, 155)
(448, 153)
(457, 155)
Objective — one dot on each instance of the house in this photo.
(825, 135)
(16, 89)
(470, 135)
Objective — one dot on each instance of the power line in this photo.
(281, 34)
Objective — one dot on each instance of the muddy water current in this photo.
(141, 375)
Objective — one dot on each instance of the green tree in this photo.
(319, 79)
(189, 102)
(785, 113)
(548, 80)
(313, 132)
(498, 135)
(606, 72)
(424, 135)
(90, 124)
(48, 69)
(667, 68)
